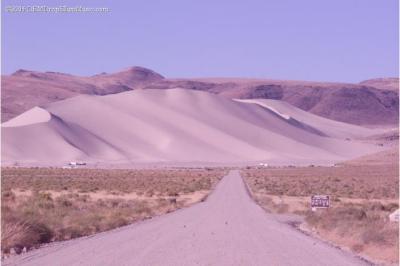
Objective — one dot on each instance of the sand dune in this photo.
(326, 126)
(34, 116)
(177, 125)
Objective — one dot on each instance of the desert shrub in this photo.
(142, 206)
(116, 220)
(14, 234)
(150, 193)
(391, 207)
(8, 195)
(20, 231)
(365, 223)
(336, 218)
(64, 201)
(282, 208)
(172, 192)
(357, 247)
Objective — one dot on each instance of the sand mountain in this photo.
(176, 125)
(373, 102)
(25, 89)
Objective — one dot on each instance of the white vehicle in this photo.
(394, 216)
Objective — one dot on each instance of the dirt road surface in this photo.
(227, 229)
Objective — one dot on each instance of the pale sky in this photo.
(332, 40)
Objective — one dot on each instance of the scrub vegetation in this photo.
(41, 205)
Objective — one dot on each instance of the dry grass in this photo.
(40, 205)
(161, 182)
(366, 182)
(362, 197)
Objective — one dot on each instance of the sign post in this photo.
(319, 201)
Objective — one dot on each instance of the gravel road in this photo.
(227, 229)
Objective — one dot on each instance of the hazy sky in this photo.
(332, 40)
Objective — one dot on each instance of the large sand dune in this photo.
(326, 126)
(176, 126)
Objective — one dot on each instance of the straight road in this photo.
(229, 228)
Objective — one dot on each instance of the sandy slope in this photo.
(34, 116)
(388, 157)
(177, 125)
(227, 229)
(326, 126)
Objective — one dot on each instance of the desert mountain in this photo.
(177, 125)
(383, 83)
(368, 103)
(25, 89)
